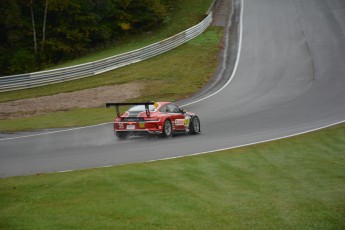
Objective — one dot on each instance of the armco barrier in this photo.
(30, 80)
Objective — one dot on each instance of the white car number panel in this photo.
(183, 122)
(130, 127)
(179, 122)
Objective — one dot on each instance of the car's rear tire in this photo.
(121, 135)
(167, 129)
(194, 126)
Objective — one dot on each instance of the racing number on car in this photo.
(179, 122)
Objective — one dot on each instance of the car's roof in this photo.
(162, 103)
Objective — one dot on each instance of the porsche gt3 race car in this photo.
(161, 118)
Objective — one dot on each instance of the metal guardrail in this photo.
(35, 79)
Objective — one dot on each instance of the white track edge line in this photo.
(212, 151)
(223, 64)
(249, 144)
(57, 131)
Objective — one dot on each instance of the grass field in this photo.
(296, 183)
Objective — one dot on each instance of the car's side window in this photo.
(173, 108)
(164, 109)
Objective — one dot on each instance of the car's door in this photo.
(177, 117)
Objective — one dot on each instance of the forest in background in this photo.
(35, 34)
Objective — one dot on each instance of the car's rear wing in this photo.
(117, 106)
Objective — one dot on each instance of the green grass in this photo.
(170, 76)
(296, 183)
(62, 119)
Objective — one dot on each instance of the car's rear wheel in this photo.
(167, 128)
(194, 127)
(121, 135)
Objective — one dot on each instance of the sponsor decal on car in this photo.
(121, 126)
(187, 121)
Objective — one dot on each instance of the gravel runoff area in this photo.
(87, 98)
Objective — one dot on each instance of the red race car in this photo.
(163, 118)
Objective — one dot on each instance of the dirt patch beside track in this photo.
(87, 98)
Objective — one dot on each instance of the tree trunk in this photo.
(44, 26)
(33, 27)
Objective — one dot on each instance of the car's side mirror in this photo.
(184, 111)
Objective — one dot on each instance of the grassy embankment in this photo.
(171, 76)
(296, 183)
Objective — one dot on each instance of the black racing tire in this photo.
(194, 126)
(167, 129)
(121, 135)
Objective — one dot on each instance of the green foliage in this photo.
(73, 28)
(14, 43)
(21, 61)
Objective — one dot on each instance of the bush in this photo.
(22, 61)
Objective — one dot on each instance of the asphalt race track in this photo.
(289, 79)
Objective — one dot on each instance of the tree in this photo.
(51, 31)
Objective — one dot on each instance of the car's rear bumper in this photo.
(138, 128)
(139, 131)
